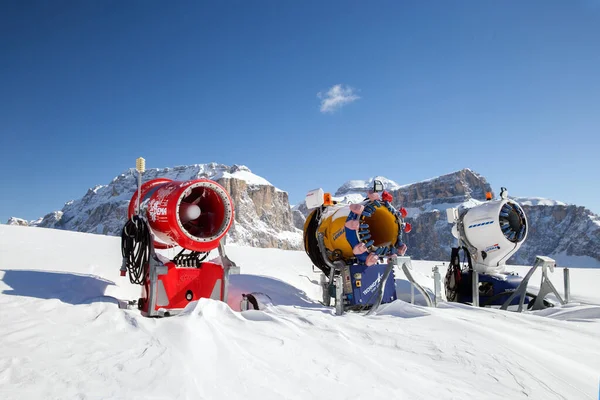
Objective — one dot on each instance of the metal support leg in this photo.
(567, 282)
(407, 268)
(437, 285)
(339, 296)
(545, 288)
(475, 288)
(325, 289)
(229, 268)
(244, 303)
(521, 291)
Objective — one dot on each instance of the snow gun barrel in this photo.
(194, 215)
(359, 233)
(492, 231)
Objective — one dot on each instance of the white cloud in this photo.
(336, 97)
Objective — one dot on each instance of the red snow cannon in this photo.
(194, 215)
(165, 214)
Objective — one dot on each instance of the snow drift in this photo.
(63, 335)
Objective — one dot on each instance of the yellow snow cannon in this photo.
(359, 233)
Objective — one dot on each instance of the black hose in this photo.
(135, 248)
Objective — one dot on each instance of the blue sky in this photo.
(509, 89)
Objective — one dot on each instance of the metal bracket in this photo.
(545, 287)
(127, 304)
(155, 268)
(229, 268)
(407, 269)
(326, 283)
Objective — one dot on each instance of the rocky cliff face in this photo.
(426, 202)
(568, 233)
(17, 221)
(263, 216)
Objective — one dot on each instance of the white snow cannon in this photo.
(492, 232)
(489, 234)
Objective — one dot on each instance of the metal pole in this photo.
(412, 293)
(567, 285)
(140, 167)
(339, 295)
(436, 285)
(325, 290)
(139, 176)
(407, 268)
(475, 288)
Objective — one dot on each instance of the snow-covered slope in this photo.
(64, 337)
(537, 201)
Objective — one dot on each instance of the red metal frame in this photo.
(169, 288)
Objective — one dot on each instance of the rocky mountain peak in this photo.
(569, 233)
(263, 217)
(17, 221)
(453, 188)
(363, 186)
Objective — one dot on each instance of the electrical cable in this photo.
(135, 248)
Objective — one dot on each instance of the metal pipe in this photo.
(475, 288)
(567, 282)
(339, 296)
(321, 244)
(436, 285)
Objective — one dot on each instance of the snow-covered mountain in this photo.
(263, 216)
(19, 222)
(360, 187)
(569, 233)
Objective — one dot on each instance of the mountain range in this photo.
(264, 217)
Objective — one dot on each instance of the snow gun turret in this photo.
(350, 240)
(191, 216)
(488, 234)
(491, 232)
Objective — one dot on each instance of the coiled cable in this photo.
(135, 248)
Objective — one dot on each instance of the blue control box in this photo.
(361, 284)
(492, 291)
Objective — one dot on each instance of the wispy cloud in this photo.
(336, 97)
